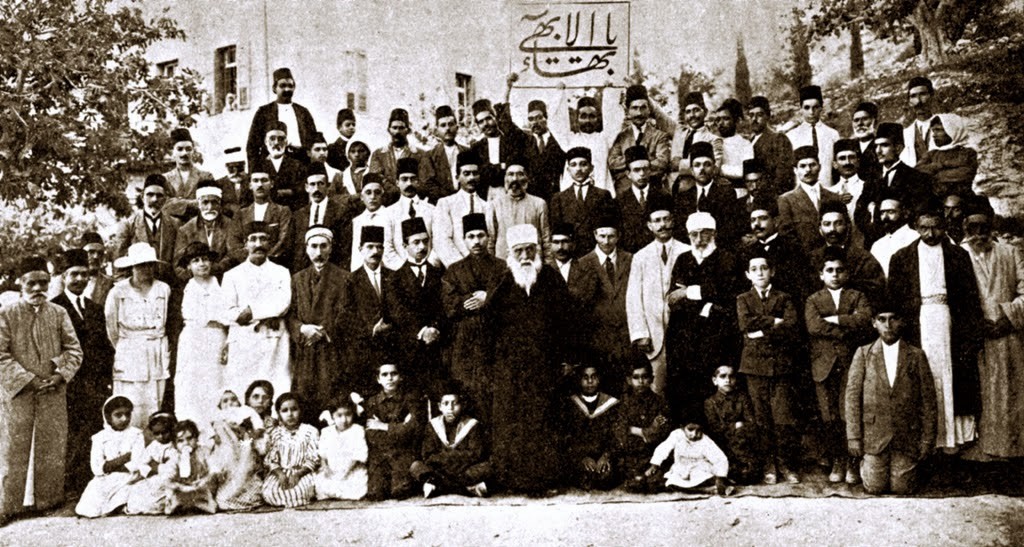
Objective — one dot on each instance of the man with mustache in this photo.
(450, 244)
(336, 215)
(528, 311)
(632, 204)
(583, 203)
(212, 228)
(999, 270)
(516, 206)
(865, 122)
(594, 130)
(898, 234)
(917, 134)
(440, 177)
(153, 226)
(318, 154)
(299, 124)
(771, 147)
(39, 355)
(373, 214)
(501, 141)
(384, 160)
(278, 217)
(234, 184)
(313, 322)
(813, 132)
(183, 179)
(548, 158)
(735, 148)
(793, 272)
(692, 130)
(99, 282)
(640, 132)
(411, 204)
(799, 208)
(257, 294)
(369, 330)
(288, 173)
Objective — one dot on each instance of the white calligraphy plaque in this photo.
(580, 44)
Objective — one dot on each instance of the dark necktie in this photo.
(639, 137)
(412, 209)
(643, 200)
(151, 225)
(687, 143)
(920, 142)
(472, 204)
(814, 137)
(664, 254)
(701, 194)
(579, 192)
(610, 268)
(316, 214)
(81, 306)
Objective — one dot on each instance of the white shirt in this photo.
(374, 276)
(853, 186)
(286, 114)
(452, 152)
(582, 188)
(889, 172)
(78, 304)
(494, 150)
(836, 295)
(563, 268)
(801, 136)
(259, 212)
(813, 192)
(891, 355)
(735, 150)
(276, 162)
(887, 245)
(317, 212)
(931, 269)
(598, 145)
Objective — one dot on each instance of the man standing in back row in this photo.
(297, 119)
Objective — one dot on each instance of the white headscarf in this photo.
(956, 128)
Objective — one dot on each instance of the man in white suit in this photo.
(448, 244)
(649, 281)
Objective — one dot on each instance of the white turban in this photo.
(700, 221)
(319, 231)
(521, 234)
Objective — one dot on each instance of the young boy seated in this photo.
(453, 457)
(696, 461)
(590, 424)
(731, 423)
(393, 426)
(192, 488)
(768, 321)
(838, 321)
(890, 408)
(642, 424)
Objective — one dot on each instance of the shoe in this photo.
(428, 490)
(770, 478)
(837, 472)
(479, 490)
(852, 476)
(792, 478)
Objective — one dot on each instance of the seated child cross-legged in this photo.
(148, 494)
(591, 427)
(343, 452)
(236, 462)
(191, 488)
(642, 423)
(393, 427)
(890, 408)
(731, 423)
(697, 461)
(453, 456)
(291, 456)
(114, 449)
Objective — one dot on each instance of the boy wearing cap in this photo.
(710, 194)
(299, 123)
(813, 132)
(384, 160)
(212, 228)
(336, 151)
(440, 177)
(39, 354)
(583, 203)
(640, 131)
(771, 147)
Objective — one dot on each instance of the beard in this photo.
(525, 275)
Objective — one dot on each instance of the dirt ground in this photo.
(979, 520)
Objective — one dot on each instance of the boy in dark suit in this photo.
(730, 417)
(890, 408)
(642, 423)
(838, 321)
(582, 204)
(394, 422)
(590, 424)
(768, 321)
(454, 455)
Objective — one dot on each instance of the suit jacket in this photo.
(610, 331)
(411, 305)
(96, 373)
(721, 203)
(912, 185)
(583, 216)
(289, 182)
(772, 353)
(775, 150)
(234, 199)
(226, 242)
(583, 286)
(513, 143)
(659, 151)
(437, 180)
(255, 149)
(279, 218)
(338, 217)
(634, 233)
(336, 154)
(649, 281)
(383, 161)
(904, 291)
(832, 346)
(101, 285)
(900, 417)
(865, 273)
(546, 167)
(135, 230)
(798, 216)
(181, 193)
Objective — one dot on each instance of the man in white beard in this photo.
(524, 261)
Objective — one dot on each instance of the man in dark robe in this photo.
(528, 313)
(315, 329)
(294, 116)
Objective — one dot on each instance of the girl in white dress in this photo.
(114, 449)
(342, 450)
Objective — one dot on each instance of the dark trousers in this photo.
(831, 397)
(450, 482)
(388, 474)
(773, 399)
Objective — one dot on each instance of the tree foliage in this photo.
(80, 106)
(741, 86)
(799, 51)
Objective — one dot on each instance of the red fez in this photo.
(373, 178)
(753, 165)
(844, 145)
(467, 157)
(658, 201)
(586, 102)
(277, 125)
(920, 81)
(399, 115)
(482, 105)
(345, 114)
(155, 180)
(33, 263)
(563, 229)
(413, 226)
(868, 107)
(760, 101)
(75, 258)
(315, 169)
(256, 227)
(319, 137)
(635, 153)
(733, 107)
(694, 97)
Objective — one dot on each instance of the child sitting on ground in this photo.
(343, 452)
(191, 488)
(393, 427)
(590, 424)
(291, 456)
(642, 424)
(159, 465)
(235, 464)
(731, 424)
(453, 454)
(697, 460)
(114, 449)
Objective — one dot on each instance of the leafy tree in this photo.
(80, 106)
(856, 51)
(799, 50)
(741, 86)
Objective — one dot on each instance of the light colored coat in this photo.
(649, 281)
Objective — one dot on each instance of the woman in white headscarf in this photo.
(950, 161)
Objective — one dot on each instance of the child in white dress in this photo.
(114, 449)
(148, 494)
(697, 460)
(343, 452)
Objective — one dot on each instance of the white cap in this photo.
(700, 221)
(319, 231)
(521, 234)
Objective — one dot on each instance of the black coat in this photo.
(634, 233)
(255, 147)
(409, 306)
(721, 203)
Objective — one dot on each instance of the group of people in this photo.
(647, 304)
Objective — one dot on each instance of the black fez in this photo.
(373, 178)
(473, 221)
(657, 201)
(702, 149)
(315, 169)
(181, 135)
(536, 105)
(413, 226)
(586, 101)
(733, 107)
(580, 152)
(845, 145)
(760, 101)
(155, 179)
(482, 105)
(805, 152)
(635, 153)
(319, 137)
(694, 97)
(978, 205)
(371, 234)
(932, 206)
(75, 258)
(256, 227)
(399, 115)
(408, 165)
(868, 107)
(444, 111)
(277, 125)
(753, 165)
(345, 114)
(282, 74)
(608, 219)
(467, 157)
(34, 263)
(891, 131)
(90, 238)
(811, 92)
(563, 229)
(919, 81)
(195, 250)
(635, 92)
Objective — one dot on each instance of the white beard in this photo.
(524, 276)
